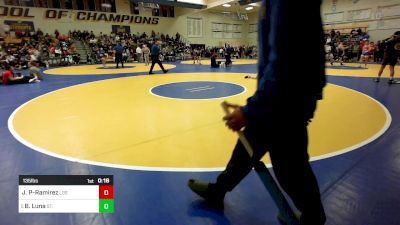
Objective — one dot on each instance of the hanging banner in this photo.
(123, 29)
(24, 26)
(56, 14)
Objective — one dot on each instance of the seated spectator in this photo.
(76, 58)
(10, 78)
(34, 71)
(228, 53)
(89, 58)
(214, 63)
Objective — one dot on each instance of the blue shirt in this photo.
(155, 49)
(119, 49)
(287, 80)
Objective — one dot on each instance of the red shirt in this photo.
(6, 76)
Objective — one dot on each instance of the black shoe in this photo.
(377, 79)
(117, 67)
(391, 81)
(246, 77)
(208, 192)
(151, 73)
(165, 71)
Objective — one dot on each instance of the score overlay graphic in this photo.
(66, 194)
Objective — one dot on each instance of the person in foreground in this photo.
(275, 118)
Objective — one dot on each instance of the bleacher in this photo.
(345, 29)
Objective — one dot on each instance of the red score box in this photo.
(106, 192)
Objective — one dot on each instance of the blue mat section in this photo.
(198, 90)
(359, 187)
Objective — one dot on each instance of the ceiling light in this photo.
(106, 5)
(249, 8)
(226, 5)
(253, 4)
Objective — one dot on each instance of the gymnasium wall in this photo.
(64, 20)
(381, 16)
(207, 18)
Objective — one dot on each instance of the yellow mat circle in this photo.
(118, 123)
(109, 70)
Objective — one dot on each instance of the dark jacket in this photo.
(285, 84)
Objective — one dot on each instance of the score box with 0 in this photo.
(66, 194)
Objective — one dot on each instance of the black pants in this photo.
(389, 59)
(214, 63)
(118, 59)
(286, 140)
(228, 60)
(24, 80)
(156, 59)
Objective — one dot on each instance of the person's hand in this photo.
(235, 120)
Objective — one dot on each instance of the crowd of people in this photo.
(55, 49)
(102, 46)
(34, 50)
(46, 50)
(356, 47)
(353, 47)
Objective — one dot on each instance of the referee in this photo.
(119, 49)
(155, 56)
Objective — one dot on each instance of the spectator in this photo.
(366, 53)
(76, 58)
(35, 72)
(139, 54)
(10, 78)
(197, 56)
(228, 53)
(214, 63)
(103, 57)
(146, 54)
(56, 33)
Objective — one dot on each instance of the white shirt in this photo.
(33, 58)
(138, 50)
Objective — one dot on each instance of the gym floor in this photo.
(154, 132)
